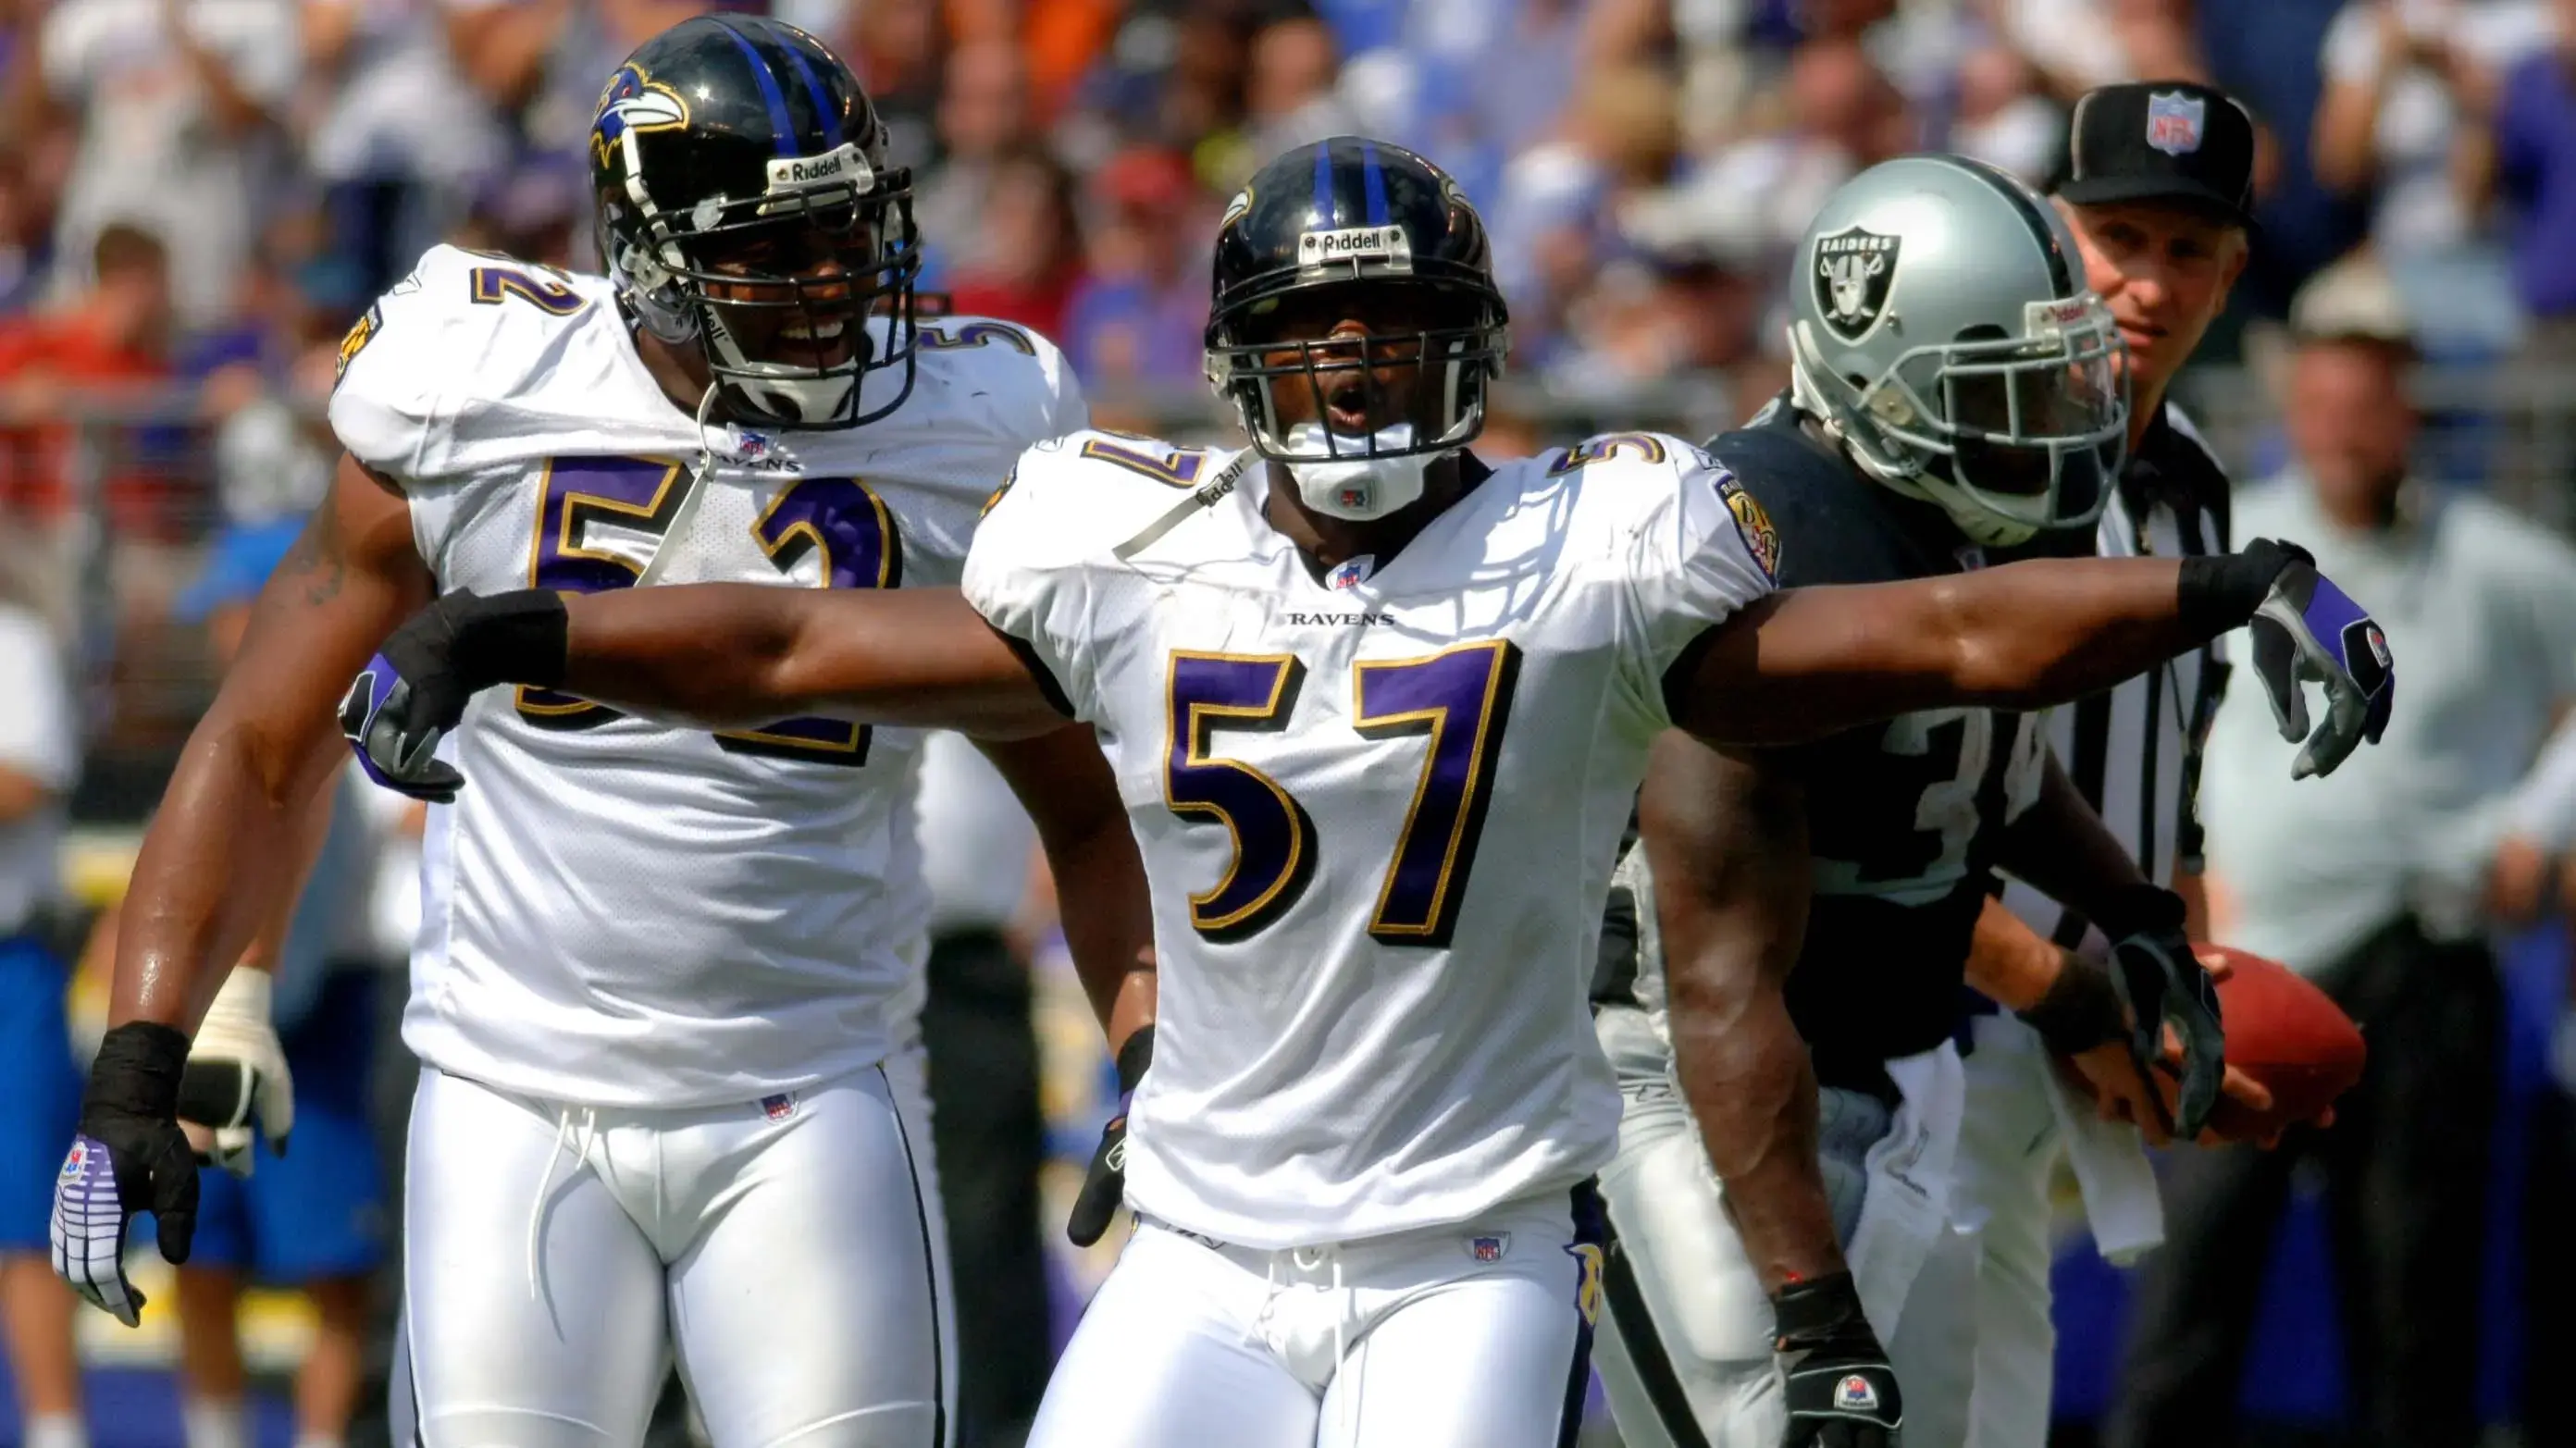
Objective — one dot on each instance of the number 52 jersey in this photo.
(1378, 807)
(617, 912)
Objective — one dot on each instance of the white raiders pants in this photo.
(1685, 1345)
(1472, 1336)
(791, 1254)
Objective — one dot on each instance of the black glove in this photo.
(129, 1157)
(1104, 1187)
(416, 687)
(2162, 983)
(1841, 1392)
(2305, 630)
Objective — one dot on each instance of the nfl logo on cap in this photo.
(2174, 122)
(1855, 1392)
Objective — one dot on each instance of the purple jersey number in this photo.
(1459, 700)
(584, 501)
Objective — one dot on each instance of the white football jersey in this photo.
(614, 911)
(1378, 808)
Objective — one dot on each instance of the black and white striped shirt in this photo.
(2134, 750)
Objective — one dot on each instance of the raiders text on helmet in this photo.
(746, 206)
(1942, 331)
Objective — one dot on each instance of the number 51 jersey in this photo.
(1378, 808)
(617, 912)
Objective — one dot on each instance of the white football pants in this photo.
(2008, 1150)
(1472, 1336)
(1685, 1345)
(790, 1253)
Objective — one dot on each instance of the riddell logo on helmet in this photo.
(843, 166)
(1355, 243)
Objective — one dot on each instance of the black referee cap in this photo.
(2170, 140)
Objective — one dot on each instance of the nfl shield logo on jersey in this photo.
(1351, 572)
(1488, 1249)
(2173, 122)
(778, 1107)
(1855, 1393)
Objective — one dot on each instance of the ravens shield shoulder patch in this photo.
(1760, 538)
(360, 333)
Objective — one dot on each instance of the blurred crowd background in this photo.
(198, 196)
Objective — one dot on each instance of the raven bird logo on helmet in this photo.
(747, 208)
(1355, 227)
(1944, 337)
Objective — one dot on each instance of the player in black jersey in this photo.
(1956, 395)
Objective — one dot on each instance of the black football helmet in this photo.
(746, 206)
(1349, 212)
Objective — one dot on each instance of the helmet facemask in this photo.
(1358, 416)
(2010, 435)
(778, 290)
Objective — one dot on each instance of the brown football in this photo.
(2285, 1033)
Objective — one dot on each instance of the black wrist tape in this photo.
(1821, 1309)
(520, 637)
(1134, 1057)
(137, 1072)
(2079, 1011)
(2218, 592)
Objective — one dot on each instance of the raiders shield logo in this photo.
(1853, 268)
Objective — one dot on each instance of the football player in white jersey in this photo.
(1378, 710)
(664, 988)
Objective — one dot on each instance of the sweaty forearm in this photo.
(1725, 838)
(1752, 1089)
(219, 867)
(729, 655)
(1810, 661)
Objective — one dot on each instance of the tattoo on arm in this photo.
(320, 558)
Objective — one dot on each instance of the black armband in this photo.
(137, 1072)
(2220, 591)
(1134, 1057)
(2079, 1011)
(2137, 910)
(519, 637)
(1817, 1311)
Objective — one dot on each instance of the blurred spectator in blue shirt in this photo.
(1141, 315)
(2535, 135)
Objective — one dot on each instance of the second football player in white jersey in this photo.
(1378, 711)
(664, 988)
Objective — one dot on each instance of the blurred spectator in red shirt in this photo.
(111, 345)
(1141, 315)
(1028, 252)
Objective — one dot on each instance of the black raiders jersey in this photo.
(1903, 817)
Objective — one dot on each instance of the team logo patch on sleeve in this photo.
(1760, 538)
(994, 501)
(355, 340)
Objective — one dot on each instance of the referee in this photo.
(2158, 185)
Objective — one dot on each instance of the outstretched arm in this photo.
(1727, 841)
(1808, 662)
(736, 654)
